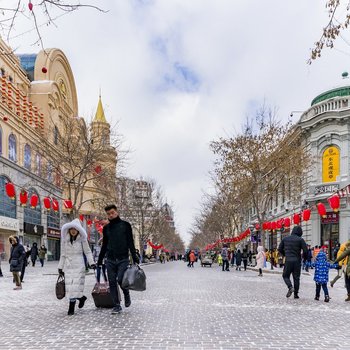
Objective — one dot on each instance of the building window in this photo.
(55, 135)
(10, 79)
(276, 198)
(27, 157)
(32, 215)
(49, 172)
(7, 205)
(38, 164)
(12, 148)
(2, 71)
(53, 219)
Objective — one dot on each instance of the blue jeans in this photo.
(115, 270)
(318, 289)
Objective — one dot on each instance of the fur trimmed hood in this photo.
(73, 224)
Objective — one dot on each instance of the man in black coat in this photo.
(117, 242)
(291, 248)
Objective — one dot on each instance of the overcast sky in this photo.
(177, 74)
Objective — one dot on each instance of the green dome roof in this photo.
(338, 92)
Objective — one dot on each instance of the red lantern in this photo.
(55, 205)
(98, 169)
(44, 70)
(89, 222)
(81, 217)
(322, 210)
(257, 227)
(4, 118)
(306, 214)
(10, 190)
(47, 203)
(268, 226)
(287, 222)
(34, 200)
(296, 219)
(68, 204)
(30, 6)
(334, 202)
(23, 197)
(273, 225)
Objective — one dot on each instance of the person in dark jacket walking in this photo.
(245, 259)
(117, 242)
(225, 258)
(238, 259)
(291, 247)
(34, 253)
(16, 260)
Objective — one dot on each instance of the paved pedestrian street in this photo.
(199, 308)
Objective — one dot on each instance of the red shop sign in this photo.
(332, 218)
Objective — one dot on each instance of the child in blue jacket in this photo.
(322, 267)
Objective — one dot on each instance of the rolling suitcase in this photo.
(101, 293)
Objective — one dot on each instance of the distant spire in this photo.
(100, 114)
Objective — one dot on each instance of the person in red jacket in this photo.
(192, 258)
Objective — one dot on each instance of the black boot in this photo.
(82, 301)
(71, 308)
(326, 299)
(127, 299)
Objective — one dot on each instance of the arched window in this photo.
(27, 157)
(12, 148)
(7, 205)
(55, 135)
(38, 164)
(49, 172)
(32, 215)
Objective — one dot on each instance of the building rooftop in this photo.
(336, 92)
(100, 114)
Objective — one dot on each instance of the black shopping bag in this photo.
(134, 278)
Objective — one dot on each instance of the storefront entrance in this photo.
(54, 244)
(32, 234)
(330, 232)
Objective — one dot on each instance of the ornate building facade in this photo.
(38, 92)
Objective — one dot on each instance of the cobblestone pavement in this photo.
(199, 308)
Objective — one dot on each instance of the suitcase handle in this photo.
(98, 274)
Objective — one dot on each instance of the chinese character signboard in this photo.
(332, 218)
(326, 189)
(330, 164)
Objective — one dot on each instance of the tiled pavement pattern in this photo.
(199, 308)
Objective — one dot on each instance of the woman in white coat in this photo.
(260, 259)
(74, 244)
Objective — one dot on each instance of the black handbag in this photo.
(60, 287)
(134, 278)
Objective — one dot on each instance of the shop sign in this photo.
(326, 189)
(9, 224)
(53, 233)
(332, 218)
(31, 229)
(330, 164)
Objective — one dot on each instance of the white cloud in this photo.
(180, 73)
